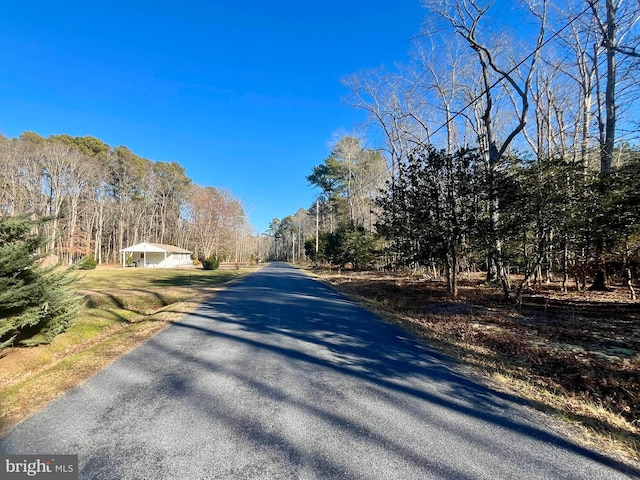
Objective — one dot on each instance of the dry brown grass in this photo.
(575, 355)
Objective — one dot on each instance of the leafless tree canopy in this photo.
(103, 199)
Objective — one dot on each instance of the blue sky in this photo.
(245, 95)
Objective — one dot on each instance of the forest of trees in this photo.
(508, 148)
(501, 146)
(101, 199)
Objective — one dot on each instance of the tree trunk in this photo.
(606, 159)
(452, 273)
(628, 281)
(600, 282)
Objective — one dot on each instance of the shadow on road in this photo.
(324, 336)
(279, 376)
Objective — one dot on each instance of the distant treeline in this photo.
(102, 199)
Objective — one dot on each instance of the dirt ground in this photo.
(579, 345)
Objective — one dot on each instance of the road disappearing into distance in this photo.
(279, 376)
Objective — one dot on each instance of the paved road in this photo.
(281, 377)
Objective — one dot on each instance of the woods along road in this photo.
(279, 376)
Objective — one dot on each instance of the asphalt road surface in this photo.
(281, 377)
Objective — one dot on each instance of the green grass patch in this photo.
(123, 307)
(148, 278)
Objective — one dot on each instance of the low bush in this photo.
(87, 263)
(210, 263)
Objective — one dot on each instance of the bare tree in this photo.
(377, 93)
(62, 167)
(617, 23)
(466, 17)
(440, 78)
(218, 224)
(581, 72)
(11, 190)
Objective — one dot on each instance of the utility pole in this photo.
(317, 228)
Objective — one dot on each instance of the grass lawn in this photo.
(123, 308)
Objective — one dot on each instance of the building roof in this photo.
(154, 247)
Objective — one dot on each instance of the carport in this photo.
(147, 254)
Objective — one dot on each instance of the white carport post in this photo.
(123, 255)
(144, 264)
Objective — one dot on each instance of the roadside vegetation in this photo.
(576, 356)
(36, 303)
(122, 308)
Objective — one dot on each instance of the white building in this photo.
(156, 255)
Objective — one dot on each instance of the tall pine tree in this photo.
(36, 303)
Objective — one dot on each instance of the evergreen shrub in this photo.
(87, 263)
(210, 263)
(36, 303)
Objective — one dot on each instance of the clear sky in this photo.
(245, 95)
